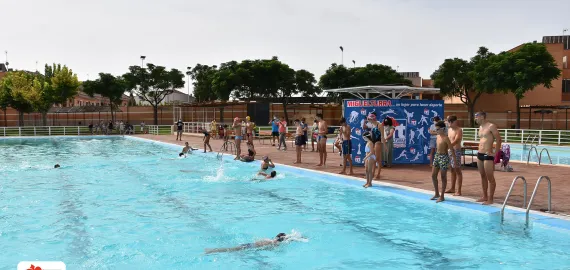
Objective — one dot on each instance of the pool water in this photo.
(120, 203)
(560, 155)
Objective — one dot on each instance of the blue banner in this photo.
(413, 120)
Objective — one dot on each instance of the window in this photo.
(566, 86)
(565, 62)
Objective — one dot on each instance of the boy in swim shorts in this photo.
(441, 161)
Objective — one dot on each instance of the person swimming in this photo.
(268, 176)
(277, 240)
(56, 166)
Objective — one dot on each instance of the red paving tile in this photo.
(419, 176)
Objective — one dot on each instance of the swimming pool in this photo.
(560, 155)
(120, 203)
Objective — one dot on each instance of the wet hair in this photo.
(320, 115)
(56, 166)
(297, 121)
(388, 121)
(273, 173)
(440, 124)
(436, 119)
(342, 121)
(280, 237)
(315, 121)
(181, 154)
(451, 118)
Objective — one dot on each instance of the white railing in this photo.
(72, 130)
(552, 137)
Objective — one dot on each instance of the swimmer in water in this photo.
(266, 163)
(250, 153)
(268, 176)
(56, 166)
(258, 244)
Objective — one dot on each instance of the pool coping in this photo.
(536, 217)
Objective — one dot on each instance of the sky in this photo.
(408, 35)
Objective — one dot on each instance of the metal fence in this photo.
(529, 136)
(76, 130)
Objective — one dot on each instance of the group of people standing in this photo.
(107, 128)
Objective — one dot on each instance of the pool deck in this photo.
(419, 176)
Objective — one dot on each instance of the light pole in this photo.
(142, 60)
(564, 31)
(341, 55)
(188, 72)
(7, 64)
(354, 63)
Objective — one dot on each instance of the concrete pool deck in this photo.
(419, 176)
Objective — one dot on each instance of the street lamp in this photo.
(188, 72)
(354, 63)
(341, 55)
(142, 60)
(7, 64)
(564, 31)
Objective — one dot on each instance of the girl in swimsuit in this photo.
(369, 159)
(377, 140)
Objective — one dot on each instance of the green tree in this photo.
(42, 96)
(226, 81)
(203, 77)
(19, 84)
(306, 83)
(5, 100)
(339, 76)
(63, 81)
(153, 84)
(107, 86)
(520, 71)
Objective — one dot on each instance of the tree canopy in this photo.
(153, 83)
(108, 86)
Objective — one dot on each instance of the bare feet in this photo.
(488, 202)
(351, 173)
(296, 162)
(319, 165)
(441, 199)
(343, 172)
(457, 194)
(434, 197)
(451, 190)
(482, 200)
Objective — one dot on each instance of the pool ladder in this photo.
(528, 138)
(531, 197)
(537, 155)
(227, 145)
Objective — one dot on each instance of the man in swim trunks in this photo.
(346, 146)
(261, 243)
(266, 163)
(299, 139)
(274, 129)
(322, 140)
(238, 136)
(455, 136)
(249, 129)
(282, 134)
(206, 140)
(179, 126)
(488, 133)
(305, 133)
(441, 161)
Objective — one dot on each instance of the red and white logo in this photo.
(357, 159)
(414, 122)
(358, 131)
(426, 111)
(363, 111)
(412, 150)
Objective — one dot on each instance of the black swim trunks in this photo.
(483, 157)
(346, 147)
(299, 140)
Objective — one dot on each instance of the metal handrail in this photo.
(224, 148)
(534, 193)
(509, 194)
(540, 156)
(530, 151)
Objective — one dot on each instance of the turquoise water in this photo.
(560, 155)
(126, 204)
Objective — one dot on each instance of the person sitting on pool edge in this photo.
(266, 163)
(268, 176)
(250, 153)
(261, 243)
